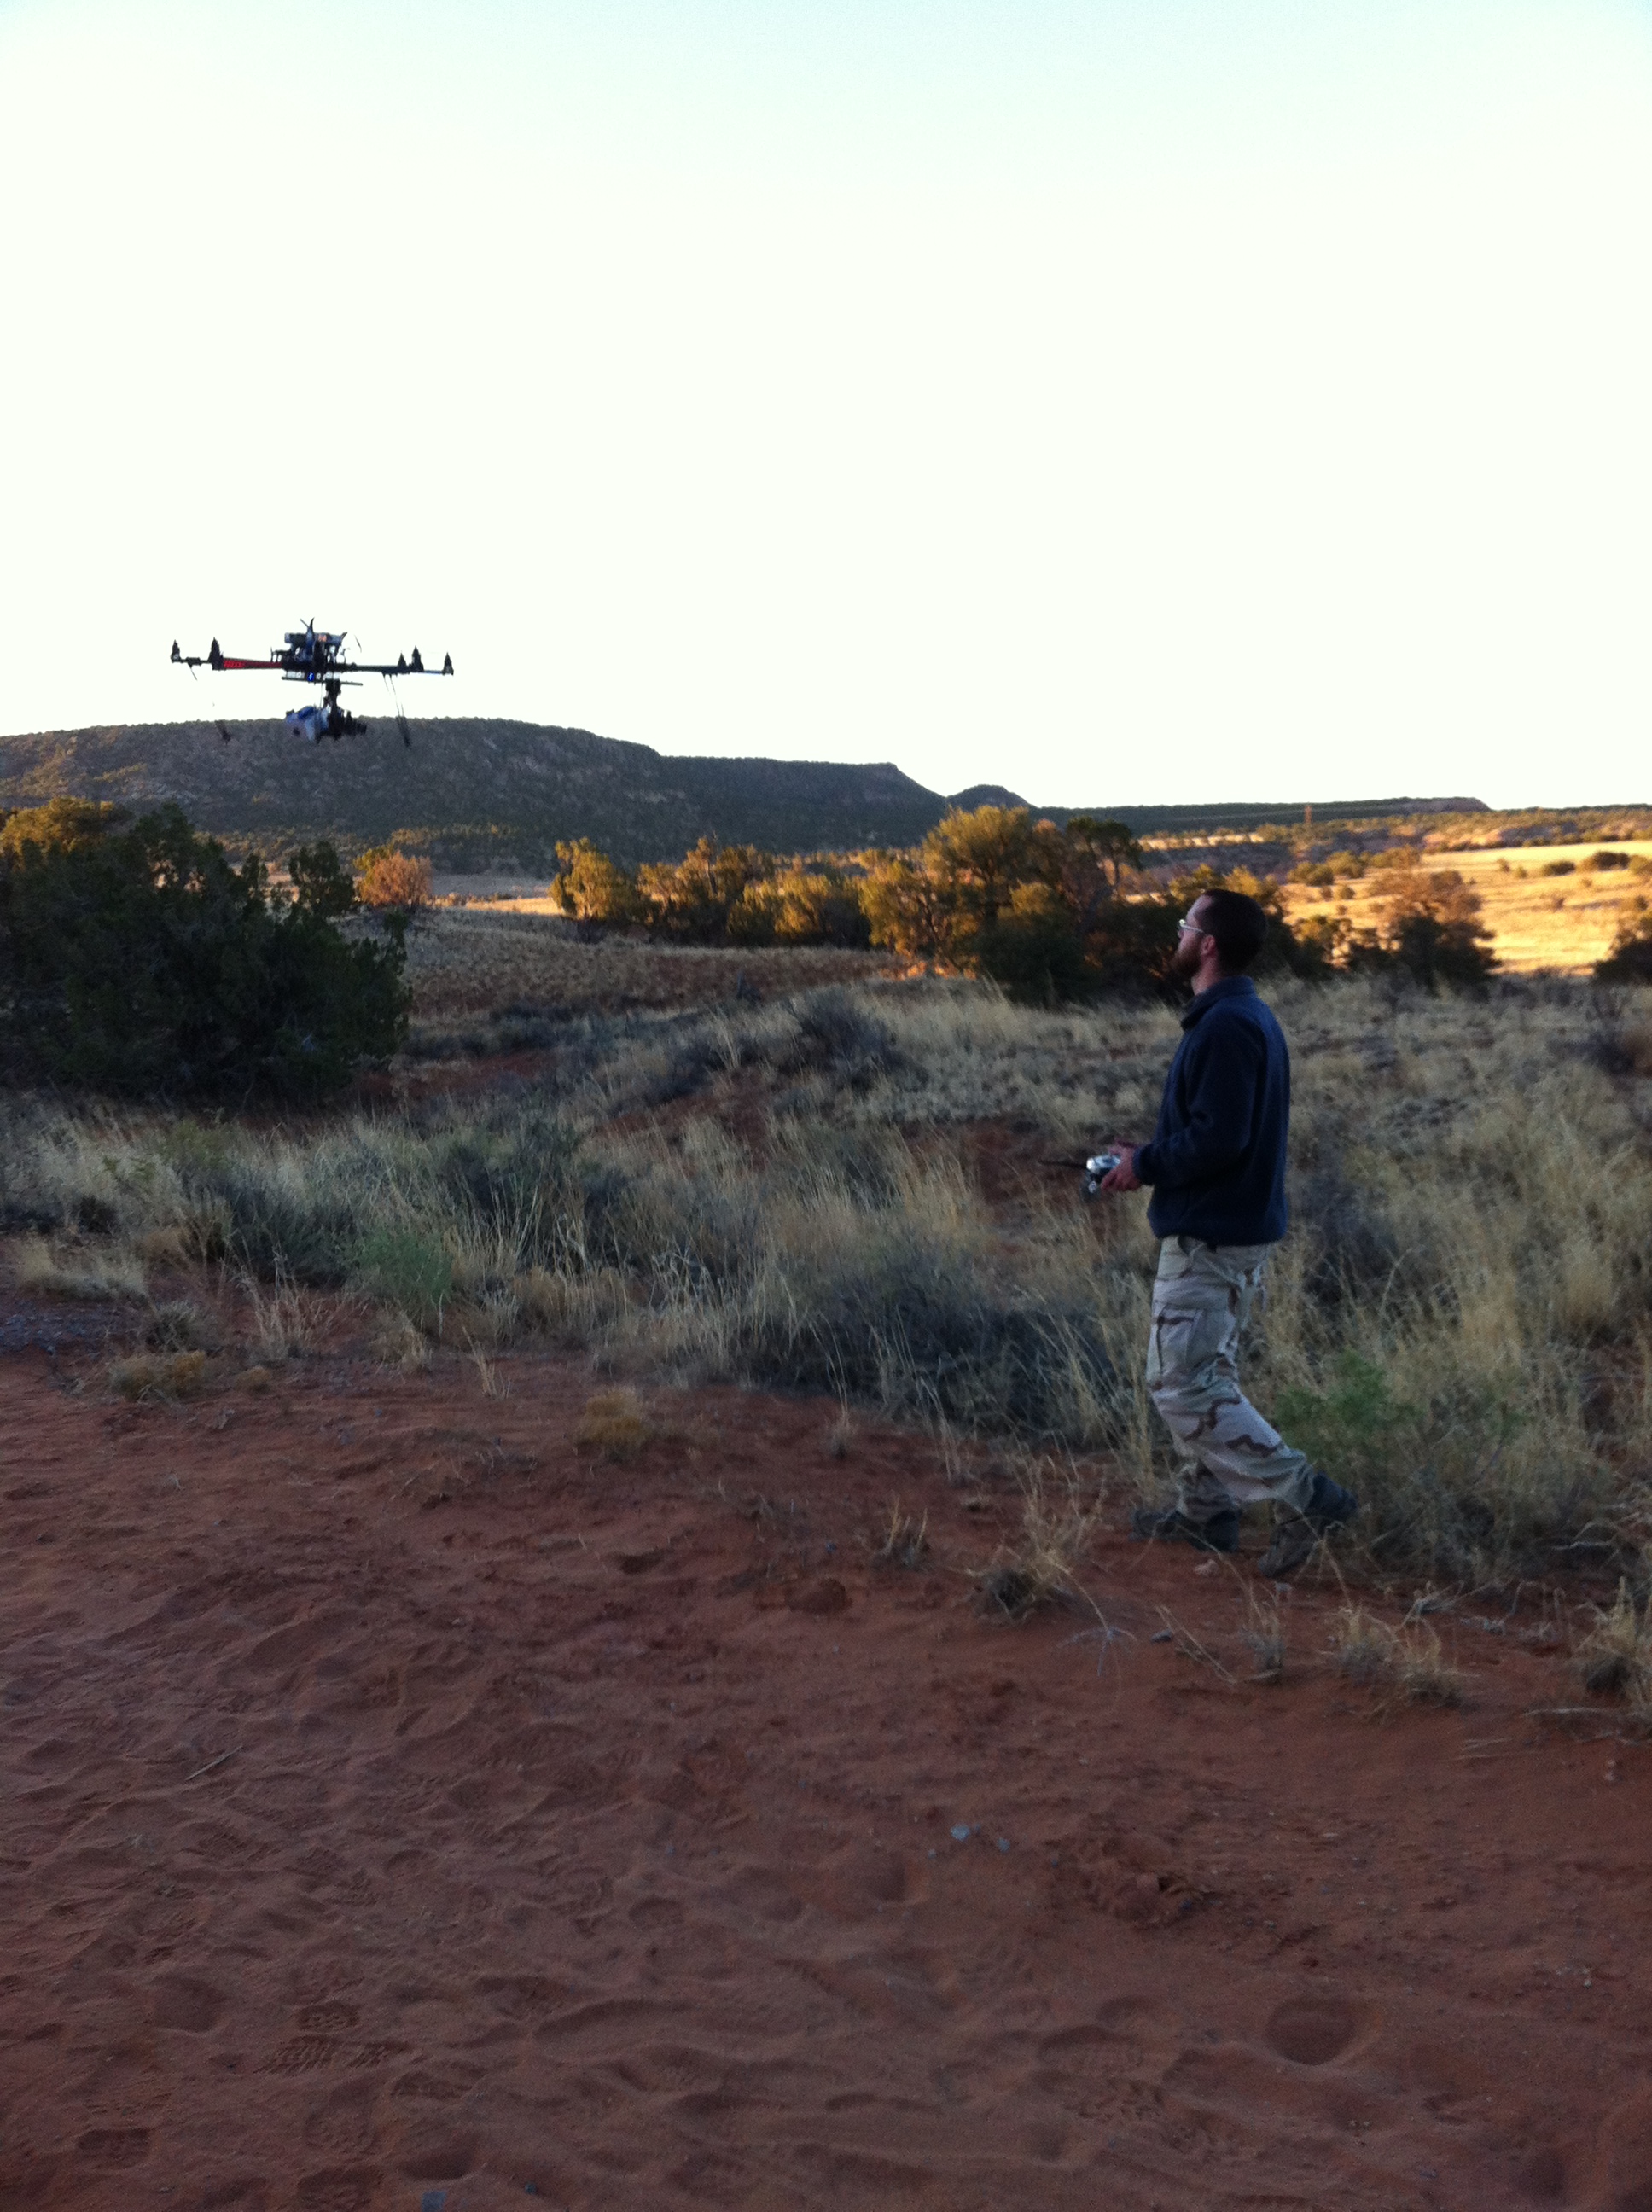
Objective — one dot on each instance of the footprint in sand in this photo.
(305, 2054)
(1543, 2177)
(438, 2154)
(1117, 2020)
(447, 2087)
(1312, 2031)
(652, 1912)
(180, 2001)
(1624, 2178)
(343, 2122)
(114, 2147)
(761, 1894)
(339, 2189)
(672, 2070)
(858, 1881)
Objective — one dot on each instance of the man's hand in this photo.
(1123, 1176)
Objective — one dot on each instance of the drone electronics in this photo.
(316, 656)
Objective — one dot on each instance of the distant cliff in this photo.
(474, 794)
(479, 794)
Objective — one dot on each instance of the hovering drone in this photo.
(316, 656)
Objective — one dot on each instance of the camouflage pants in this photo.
(1202, 1297)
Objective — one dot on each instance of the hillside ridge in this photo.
(490, 793)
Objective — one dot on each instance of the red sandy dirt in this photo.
(402, 1808)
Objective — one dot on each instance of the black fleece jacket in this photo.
(1217, 1158)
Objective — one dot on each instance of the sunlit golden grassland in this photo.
(846, 1190)
(1539, 920)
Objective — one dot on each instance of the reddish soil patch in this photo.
(402, 1809)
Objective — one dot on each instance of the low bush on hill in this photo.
(391, 880)
(1429, 927)
(1629, 960)
(136, 958)
(1051, 912)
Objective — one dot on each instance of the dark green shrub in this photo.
(142, 961)
(1430, 929)
(405, 1269)
(1306, 953)
(1629, 960)
(691, 899)
(1350, 1425)
(1034, 949)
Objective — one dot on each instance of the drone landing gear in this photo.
(341, 723)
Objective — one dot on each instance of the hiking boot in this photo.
(1329, 1506)
(1154, 1524)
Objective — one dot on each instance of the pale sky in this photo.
(1123, 402)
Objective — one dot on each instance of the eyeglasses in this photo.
(1182, 927)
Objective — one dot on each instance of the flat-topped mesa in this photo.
(478, 793)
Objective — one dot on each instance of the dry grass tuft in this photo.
(493, 1384)
(1407, 1663)
(283, 1321)
(180, 1325)
(614, 1425)
(1423, 1674)
(1264, 1635)
(1008, 1588)
(1360, 1644)
(254, 1380)
(159, 1375)
(569, 1309)
(396, 1343)
(1615, 1657)
(170, 1246)
(958, 1465)
(1057, 1523)
(906, 1540)
(839, 1437)
(107, 1272)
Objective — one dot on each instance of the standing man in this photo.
(1217, 1166)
